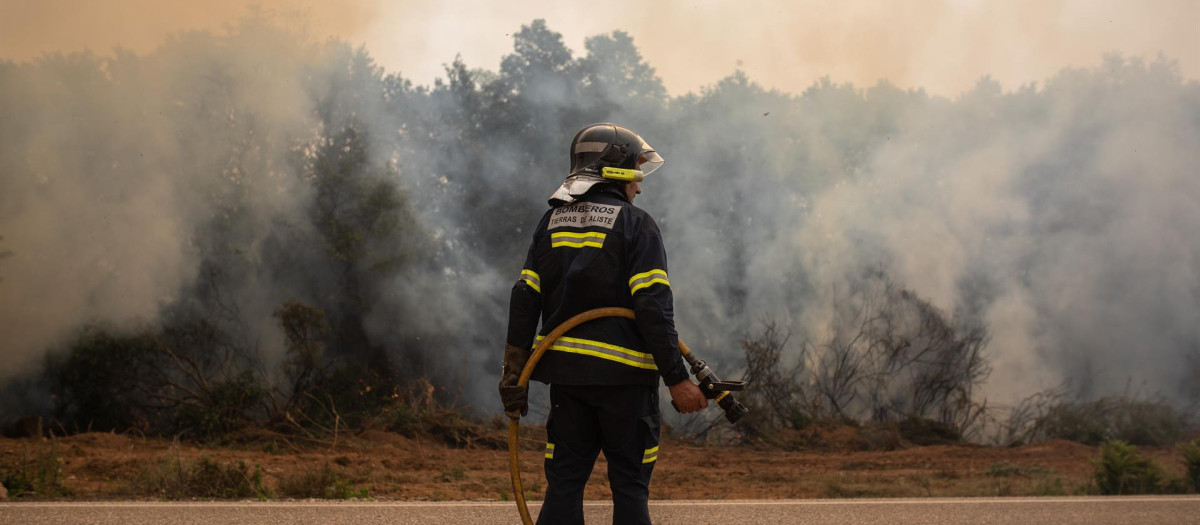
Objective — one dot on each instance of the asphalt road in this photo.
(1166, 510)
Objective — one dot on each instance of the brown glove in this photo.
(514, 397)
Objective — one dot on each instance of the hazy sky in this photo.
(942, 45)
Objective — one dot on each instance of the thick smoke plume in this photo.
(220, 176)
(114, 169)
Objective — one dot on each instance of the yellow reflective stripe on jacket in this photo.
(549, 450)
(650, 456)
(575, 345)
(644, 279)
(577, 239)
(532, 279)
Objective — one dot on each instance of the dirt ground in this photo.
(99, 466)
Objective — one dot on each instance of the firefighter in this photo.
(593, 248)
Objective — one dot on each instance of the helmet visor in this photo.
(649, 161)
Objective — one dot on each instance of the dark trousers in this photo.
(623, 421)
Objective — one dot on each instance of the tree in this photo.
(616, 84)
(366, 232)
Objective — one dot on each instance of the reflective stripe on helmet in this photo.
(620, 174)
(590, 147)
(577, 240)
(645, 279)
(575, 345)
(549, 450)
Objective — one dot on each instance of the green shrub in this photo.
(37, 476)
(183, 377)
(1191, 461)
(923, 432)
(176, 479)
(1145, 422)
(455, 473)
(322, 483)
(1121, 469)
(99, 379)
(1005, 469)
(343, 489)
(1051, 486)
(225, 409)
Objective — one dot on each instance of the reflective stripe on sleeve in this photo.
(625, 356)
(549, 450)
(577, 239)
(532, 279)
(645, 279)
(650, 456)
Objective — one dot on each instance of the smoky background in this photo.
(301, 209)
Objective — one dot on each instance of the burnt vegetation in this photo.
(347, 238)
(892, 366)
(896, 371)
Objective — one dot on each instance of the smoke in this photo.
(942, 46)
(113, 169)
(32, 29)
(1061, 215)
(196, 178)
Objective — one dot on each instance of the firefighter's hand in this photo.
(687, 397)
(515, 399)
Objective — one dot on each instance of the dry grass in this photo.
(321, 483)
(174, 477)
(386, 465)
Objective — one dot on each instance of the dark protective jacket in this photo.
(597, 252)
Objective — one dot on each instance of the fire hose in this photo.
(712, 387)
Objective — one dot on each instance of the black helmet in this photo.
(605, 152)
(600, 146)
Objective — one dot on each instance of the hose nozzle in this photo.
(716, 389)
